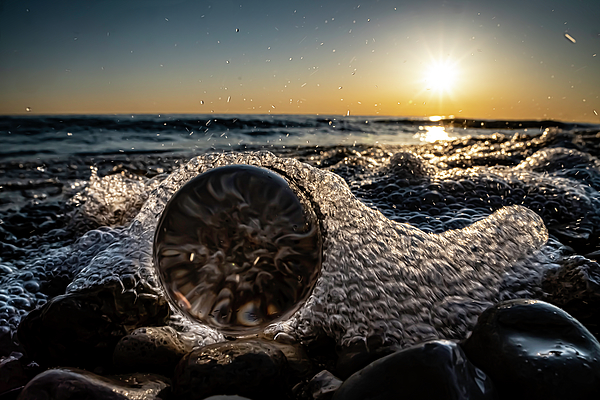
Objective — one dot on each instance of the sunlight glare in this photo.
(431, 134)
(441, 76)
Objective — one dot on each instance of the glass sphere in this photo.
(237, 248)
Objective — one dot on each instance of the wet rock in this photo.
(82, 329)
(321, 350)
(575, 287)
(71, 383)
(578, 235)
(252, 368)
(407, 165)
(12, 372)
(150, 349)
(534, 350)
(7, 344)
(432, 370)
(11, 251)
(357, 356)
(594, 255)
(321, 387)
(299, 363)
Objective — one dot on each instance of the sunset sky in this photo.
(511, 59)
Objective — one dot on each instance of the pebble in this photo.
(75, 384)
(575, 287)
(321, 387)
(82, 329)
(12, 372)
(150, 349)
(431, 370)
(252, 368)
(534, 350)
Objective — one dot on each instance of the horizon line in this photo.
(431, 118)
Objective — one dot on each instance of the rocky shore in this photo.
(460, 270)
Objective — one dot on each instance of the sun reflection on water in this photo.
(431, 134)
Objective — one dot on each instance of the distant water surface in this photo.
(40, 137)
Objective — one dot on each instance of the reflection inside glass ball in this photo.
(237, 248)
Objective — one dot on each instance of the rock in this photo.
(578, 235)
(150, 349)
(12, 373)
(321, 350)
(299, 363)
(252, 368)
(357, 356)
(432, 370)
(321, 387)
(7, 345)
(534, 350)
(71, 383)
(594, 255)
(575, 287)
(82, 329)
(407, 165)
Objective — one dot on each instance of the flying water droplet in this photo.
(570, 38)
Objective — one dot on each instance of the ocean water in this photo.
(30, 138)
(425, 222)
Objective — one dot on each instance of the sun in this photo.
(441, 76)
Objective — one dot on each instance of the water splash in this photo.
(378, 277)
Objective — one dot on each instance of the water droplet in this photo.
(570, 38)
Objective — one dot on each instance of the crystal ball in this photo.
(238, 248)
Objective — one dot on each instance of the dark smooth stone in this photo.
(575, 287)
(74, 384)
(7, 345)
(82, 329)
(298, 361)
(534, 350)
(252, 368)
(12, 372)
(150, 349)
(432, 197)
(407, 165)
(431, 370)
(595, 255)
(576, 235)
(357, 356)
(322, 386)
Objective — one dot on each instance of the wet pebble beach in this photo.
(459, 269)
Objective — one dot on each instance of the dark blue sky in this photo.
(483, 59)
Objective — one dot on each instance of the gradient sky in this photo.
(510, 59)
